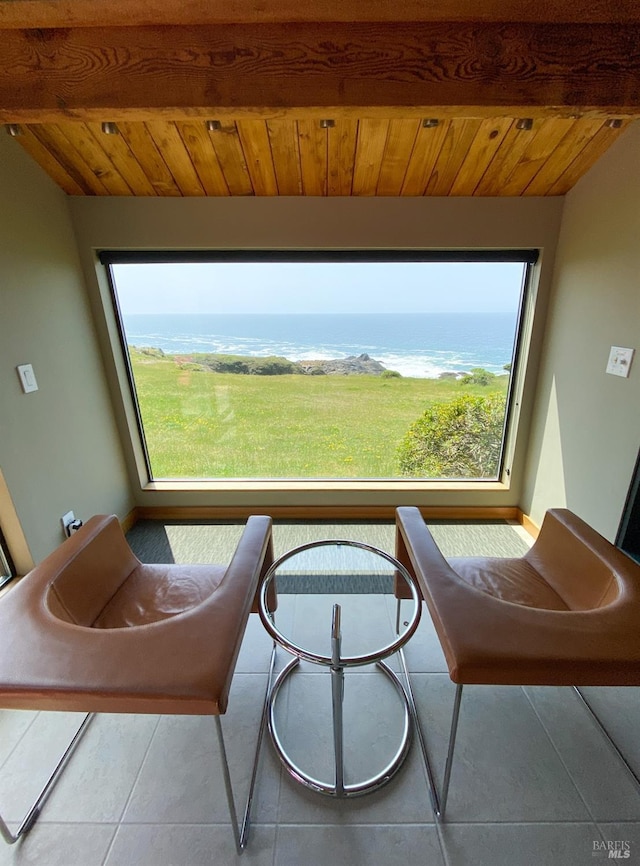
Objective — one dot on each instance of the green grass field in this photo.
(201, 424)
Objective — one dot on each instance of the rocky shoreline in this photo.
(354, 365)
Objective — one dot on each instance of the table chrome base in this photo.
(337, 662)
(339, 789)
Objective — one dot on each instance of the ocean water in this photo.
(423, 345)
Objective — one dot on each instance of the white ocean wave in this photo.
(414, 363)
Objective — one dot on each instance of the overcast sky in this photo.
(330, 287)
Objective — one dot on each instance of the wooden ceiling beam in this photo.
(19, 14)
(133, 72)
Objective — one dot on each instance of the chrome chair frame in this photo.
(241, 830)
(440, 796)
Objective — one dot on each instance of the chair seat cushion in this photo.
(155, 592)
(151, 639)
(592, 638)
(513, 580)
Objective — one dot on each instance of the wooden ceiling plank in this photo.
(313, 142)
(123, 160)
(143, 147)
(370, 147)
(580, 134)
(341, 152)
(197, 141)
(83, 140)
(549, 135)
(256, 147)
(73, 70)
(481, 152)
(425, 152)
(226, 144)
(176, 157)
(88, 13)
(458, 140)
(283, 136)
(593, 150)
(400, 142)
(47, 161)
(513, 146)
(64, 151)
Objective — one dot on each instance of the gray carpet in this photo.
(188, 542)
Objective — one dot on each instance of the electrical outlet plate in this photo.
(66, 520)
(620, 361)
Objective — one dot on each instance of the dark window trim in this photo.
(5, 557)
(124, 257)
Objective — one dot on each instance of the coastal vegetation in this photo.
(203, 422)
(459, 438)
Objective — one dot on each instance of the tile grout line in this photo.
(133, 785)
(20, 738)
(441, 842)
(562, 761)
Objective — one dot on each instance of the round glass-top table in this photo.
(344, 591)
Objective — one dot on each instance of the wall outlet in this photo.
(620, 361)
(69, 523)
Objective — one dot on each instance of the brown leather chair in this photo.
(92, 629)
(566, 613)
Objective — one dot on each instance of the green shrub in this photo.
(390, 374)
(244, 364)
(478, 376)
(458, 439)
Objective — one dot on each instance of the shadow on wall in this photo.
(578, 461)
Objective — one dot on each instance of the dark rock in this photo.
(361, 365)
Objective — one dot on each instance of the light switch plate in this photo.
(27, 378)
(620, 361)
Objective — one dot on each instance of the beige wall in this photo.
(586, 429)
(296, 223)
(59, 448)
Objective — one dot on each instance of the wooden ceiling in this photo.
(269, 74)
(358, 156)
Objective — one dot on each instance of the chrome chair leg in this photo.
(241, 831)
(438, 799)
(34, 812)
(452, 744)
(433, 788)
(608, 737)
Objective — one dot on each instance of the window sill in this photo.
(319, 485)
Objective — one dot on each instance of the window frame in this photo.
(528, 257)
(7, 567)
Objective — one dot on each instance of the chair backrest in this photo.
(87, 571)
(583, 568)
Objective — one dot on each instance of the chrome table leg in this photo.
(337, 695)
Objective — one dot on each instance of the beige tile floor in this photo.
(533, 783)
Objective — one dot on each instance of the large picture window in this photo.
(321, 366)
